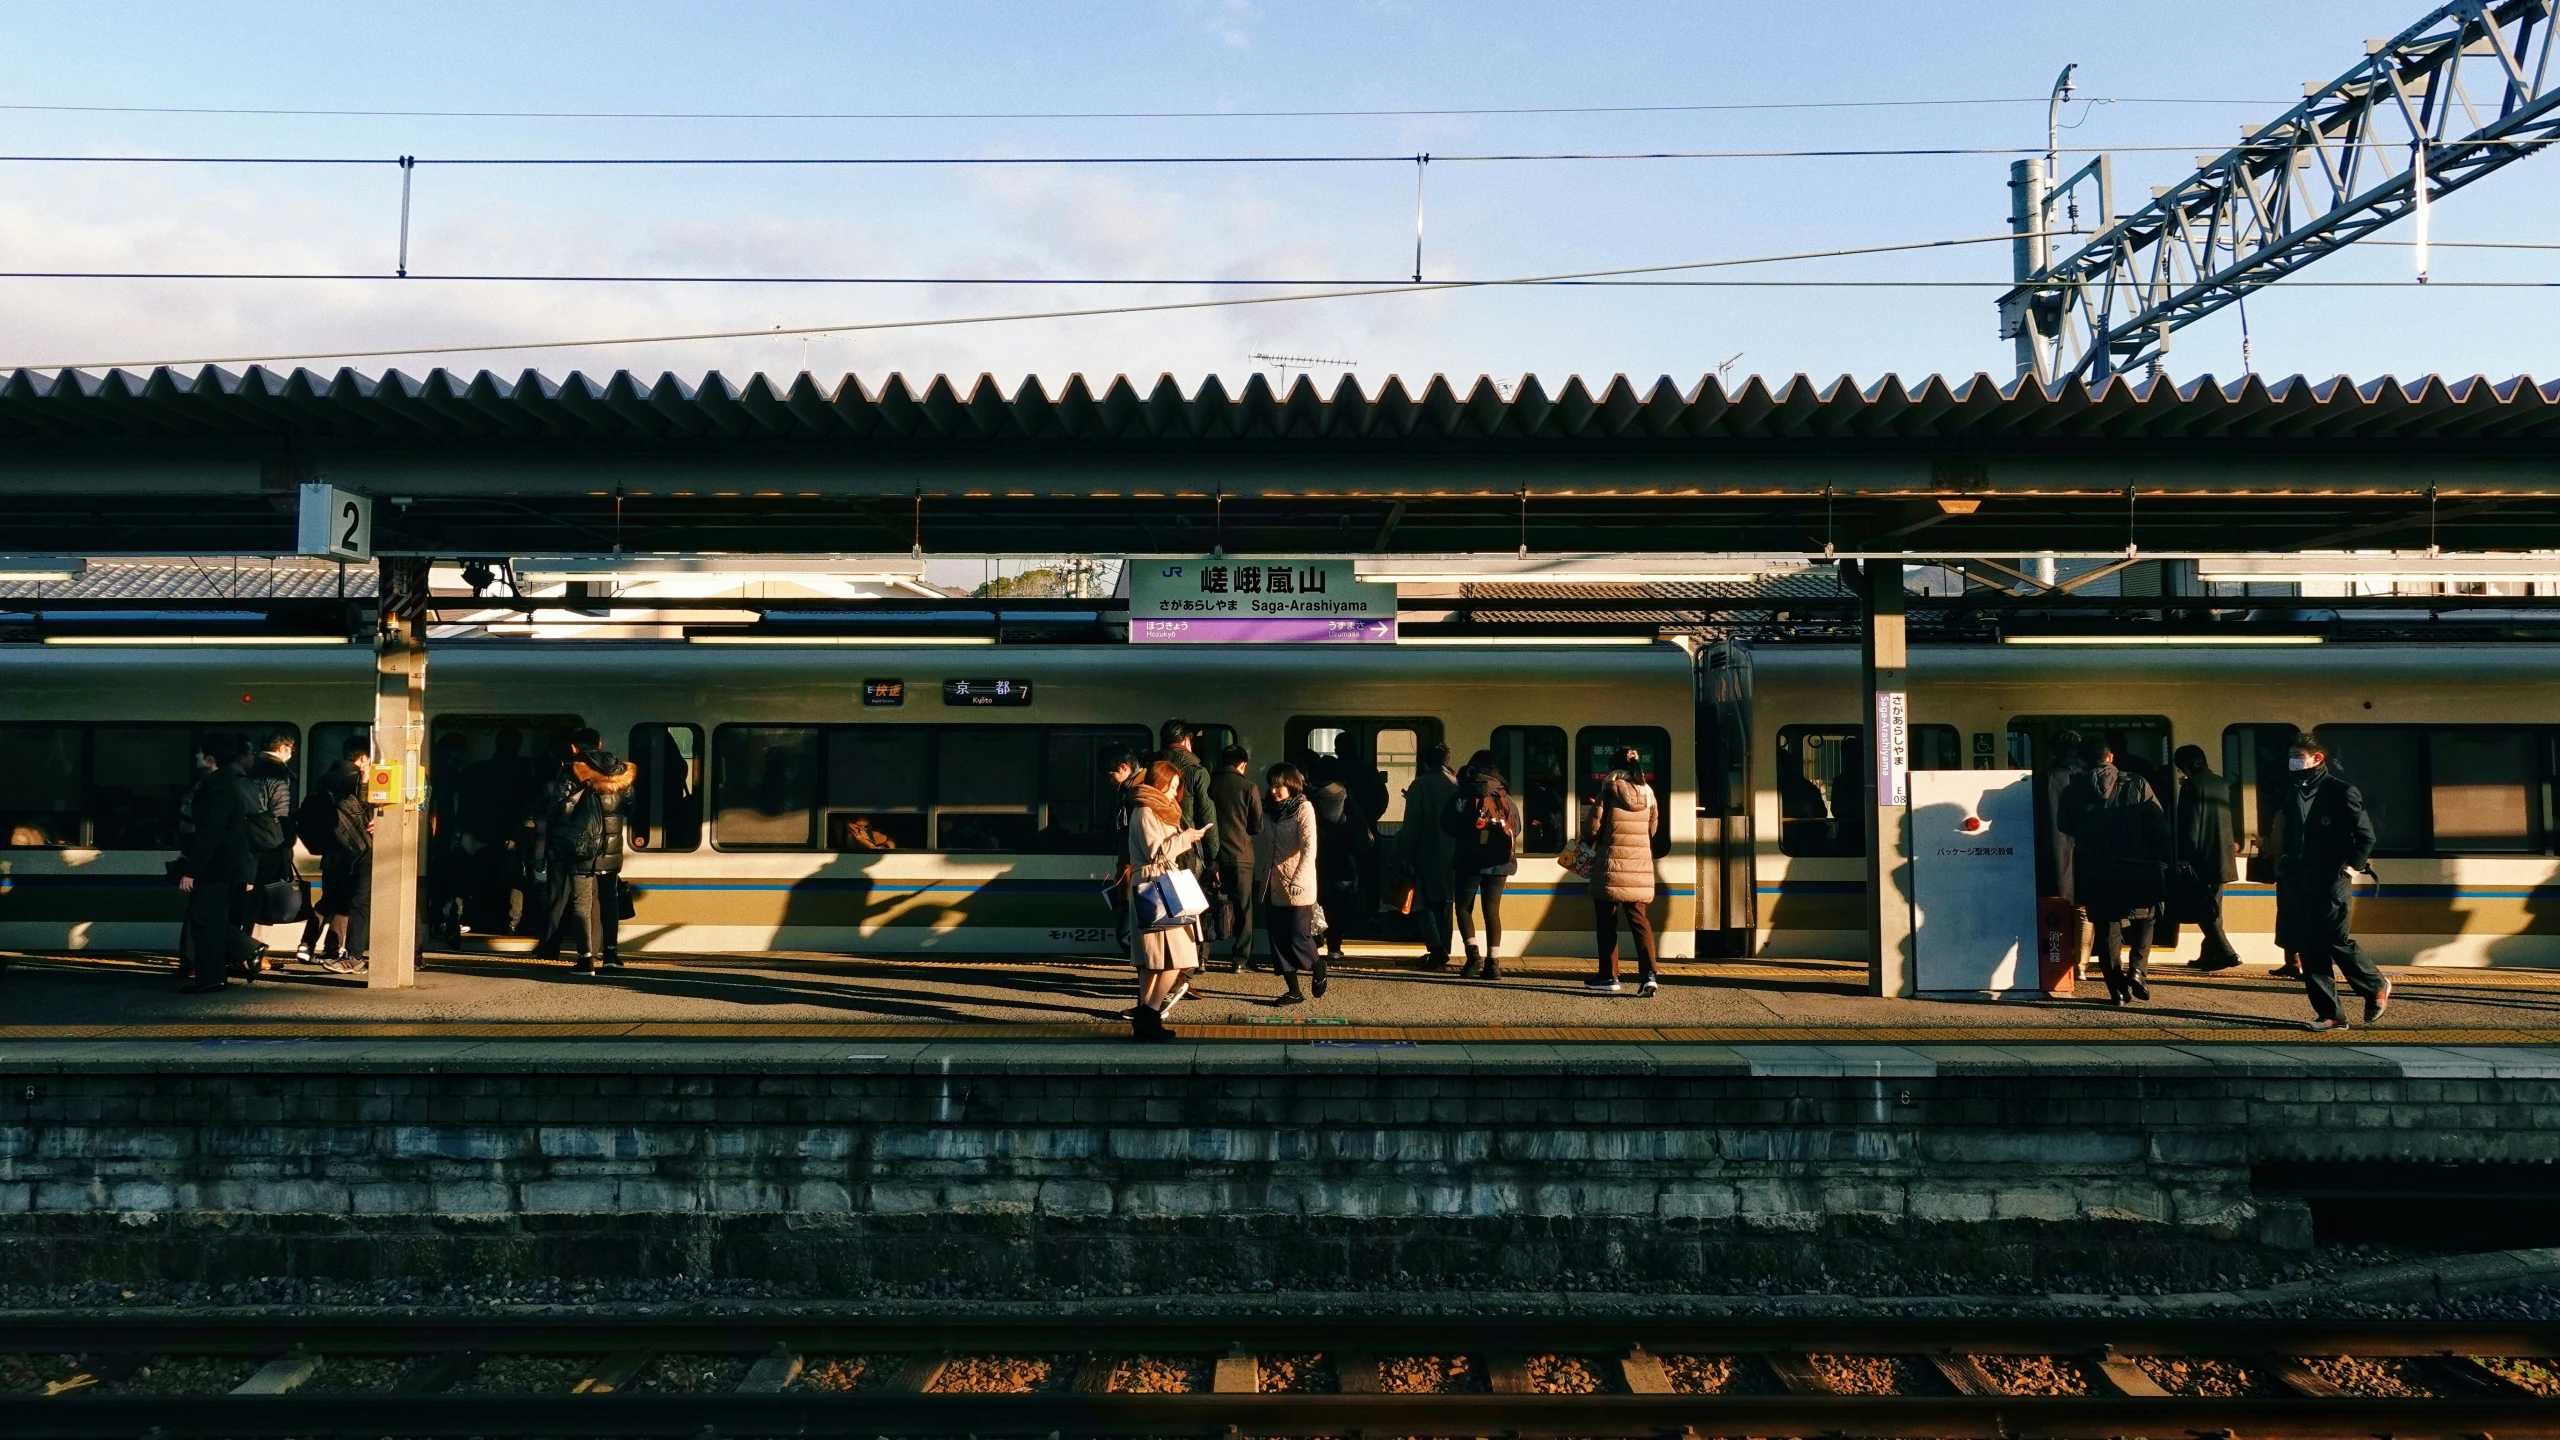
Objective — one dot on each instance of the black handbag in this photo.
(278, 902)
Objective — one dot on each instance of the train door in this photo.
(2143, 744)
(483, 775)
(1728, 892)
(1375, 757)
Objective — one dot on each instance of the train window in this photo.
(1937, 747)
(984, 765)
(2388, 764)
(2484, 791)
(1373, 756)
(328, 747)
(1822, 790)
(986, 788)
(139, 776)
(880, 767)
(764, 786)
(2430, 790)
(1399, 760)
(1596, 748)
(40, 786)
(664, 809)
(1531, 759)
(1211, 739)
(1078, 800)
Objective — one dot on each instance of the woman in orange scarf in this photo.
(1157, 842)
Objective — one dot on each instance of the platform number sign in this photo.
(336, 523)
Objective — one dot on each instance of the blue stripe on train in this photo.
(818, 883)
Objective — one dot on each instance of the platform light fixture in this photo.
(744, 569)
(2380, 565)
(196, 640)
(1589, 569)
(41, 569)
(1576, 641)
(909, 640)
(2159, 640)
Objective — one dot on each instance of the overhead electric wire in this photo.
(929, 322)
(1620, 274)
(1905, 152)
(1379, 114)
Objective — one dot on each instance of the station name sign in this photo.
(1227, 600)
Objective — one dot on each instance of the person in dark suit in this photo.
(2122, 854)
(2207, 857)
(217, 865)
(2325, 833)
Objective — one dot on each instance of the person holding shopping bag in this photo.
(1165, 954)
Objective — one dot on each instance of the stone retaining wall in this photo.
(1009, 1176)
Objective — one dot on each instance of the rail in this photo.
(917, 1376)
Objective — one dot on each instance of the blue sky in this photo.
(1221, 221)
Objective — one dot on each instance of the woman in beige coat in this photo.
(1287, 865)
(1620, 822)
(1157, 842)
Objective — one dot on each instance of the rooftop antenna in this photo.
(1724, 370)
(1281, 364)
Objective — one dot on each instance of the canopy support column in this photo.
(1882, 655)
(399, 738)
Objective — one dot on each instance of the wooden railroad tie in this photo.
(281, 1376)
(772, 1374)
(1963, 1372)
(1796, 1373)
(437, 1373)
(1238, 1372)
(918, 1374)
(1644, 1372)
(1357, 1372)
(611, 1373)
(1093, 1377)
(2125, 1377)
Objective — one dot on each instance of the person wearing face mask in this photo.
(2122, 852)
(2324, 833)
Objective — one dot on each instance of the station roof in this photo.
(442, 404)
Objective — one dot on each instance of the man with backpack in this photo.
(280, 896)
(1484, 821)
(217, 865)
(582, 834)
(337, 823)
(1428, 852)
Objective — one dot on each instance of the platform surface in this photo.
(1373, 1000)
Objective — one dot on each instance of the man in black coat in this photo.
(275, 795)
(2121, 853)
(1239, 812)
(2207, 857)
(217, 865)
(2054, 855)
(346, 859)
(582, 824)
(2325, 833)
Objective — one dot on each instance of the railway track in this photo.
(744, 1376)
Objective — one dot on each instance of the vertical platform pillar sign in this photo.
(1885, 691)
(399, 744)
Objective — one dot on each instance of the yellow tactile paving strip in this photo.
(931, 1032)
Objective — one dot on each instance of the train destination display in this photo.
(1261, 599)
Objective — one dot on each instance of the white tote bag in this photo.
(1171, 899)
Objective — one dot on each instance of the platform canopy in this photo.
(207, 461)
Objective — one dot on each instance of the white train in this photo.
(757, 762)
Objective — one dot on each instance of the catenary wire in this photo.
(1671, 109)
(1171, 306)
(1312, 158)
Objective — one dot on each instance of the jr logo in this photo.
(1173, 572)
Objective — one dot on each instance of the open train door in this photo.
(1728, 892)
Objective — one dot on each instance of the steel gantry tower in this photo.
(2464, 91)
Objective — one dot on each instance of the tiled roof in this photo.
(531, 406)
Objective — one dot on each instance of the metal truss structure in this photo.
(2466, 90)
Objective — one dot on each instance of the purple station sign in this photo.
(1257, 600)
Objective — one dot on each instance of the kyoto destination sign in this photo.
(1220, 600)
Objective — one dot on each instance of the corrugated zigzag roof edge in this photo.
(442, 403)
